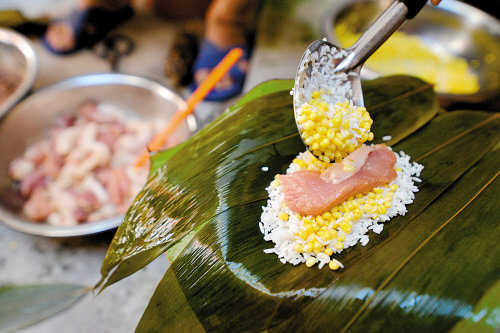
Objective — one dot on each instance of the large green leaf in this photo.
(228, 283)
(21, 306)
(434, 269)
(220, 167)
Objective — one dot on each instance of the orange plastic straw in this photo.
(197, 96)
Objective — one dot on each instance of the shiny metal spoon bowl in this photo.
(327, 67)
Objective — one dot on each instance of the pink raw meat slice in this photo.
(308, 193)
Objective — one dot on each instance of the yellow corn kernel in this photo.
(328, 251)
(370, 136)
(308, 125)
(339, 245)
(340, 237)
(381, 210)
(298, 248)
(331, 234)
(364, 125)
(327, 216)
(335, 264)
(316, 94)
(394, 187)
(346, 227)
(283, 216)
(398, 169)
(311, 261)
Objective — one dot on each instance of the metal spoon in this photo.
(323, 61)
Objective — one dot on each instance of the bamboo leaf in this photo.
(230, 284)
(220, 167)
(22, 306)
(435, 302)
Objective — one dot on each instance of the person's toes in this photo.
(60, 37)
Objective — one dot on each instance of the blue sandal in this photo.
(92, 25)
(208, 57)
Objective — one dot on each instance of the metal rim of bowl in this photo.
(451, 6)
(47, 230)
(24, 46)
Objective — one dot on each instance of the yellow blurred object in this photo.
(407, 54)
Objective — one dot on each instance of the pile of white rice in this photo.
(322, 74)
(283, 233)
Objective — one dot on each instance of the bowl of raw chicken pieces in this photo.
(68, 152)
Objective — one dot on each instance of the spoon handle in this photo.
(383, 27)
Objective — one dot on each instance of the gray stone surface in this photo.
(26, 259)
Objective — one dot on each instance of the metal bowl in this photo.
(18, 61)
(28, 121)
(460, 29)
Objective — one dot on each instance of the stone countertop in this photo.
(26, 259)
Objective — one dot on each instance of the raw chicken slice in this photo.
(308, 193)
(349, 165)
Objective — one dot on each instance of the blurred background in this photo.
(454, 47)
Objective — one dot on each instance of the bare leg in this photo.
(227, 21)
(226, 25)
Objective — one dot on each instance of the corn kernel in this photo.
(335, 264)
(339, 245)
(311, 261)
(283, 216)
(299, 248)
(346, 227)
(328, 251)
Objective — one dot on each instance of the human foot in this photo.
(83, 28)
(232, 83)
